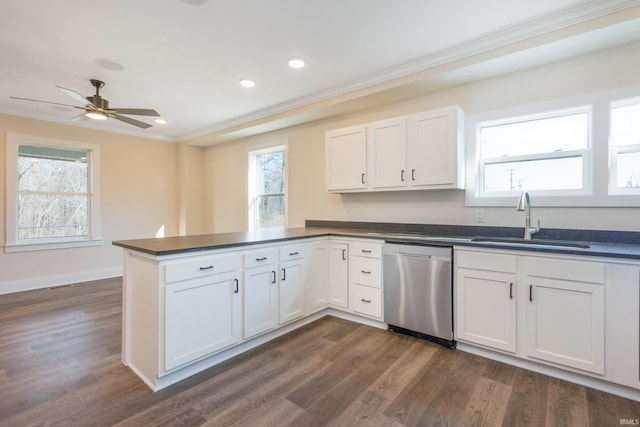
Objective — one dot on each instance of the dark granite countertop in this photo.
(615, 244)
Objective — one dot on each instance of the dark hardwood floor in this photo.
(60, 365)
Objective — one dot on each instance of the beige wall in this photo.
(138, 196)
(225, 201)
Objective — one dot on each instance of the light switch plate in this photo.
(479, 215)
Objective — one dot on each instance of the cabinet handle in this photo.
(413, 174)
(294, 253)
(365, 272)
(530, 292)
(344, 256)
(284, 274)
(264, 258)
(273, 276)
(365, 251)
(402, 175)
(362, 178)
(511, 290)
(366, 300)
(237, 282)
(206, 268)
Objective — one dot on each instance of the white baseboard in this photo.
(63, 279)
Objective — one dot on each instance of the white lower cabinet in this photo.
(622, 311)
(201, 315)
(365, 278)
(318, 277)
(339, 274)
(565, 323)
(550, 309)
(291, 283)
(486, 308)
(260, 292)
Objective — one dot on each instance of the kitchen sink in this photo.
(535, 242)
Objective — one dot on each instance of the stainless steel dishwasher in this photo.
(418, 291)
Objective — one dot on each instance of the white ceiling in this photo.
(184, 57)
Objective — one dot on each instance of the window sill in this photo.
(49, 245)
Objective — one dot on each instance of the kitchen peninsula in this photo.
(192, 302)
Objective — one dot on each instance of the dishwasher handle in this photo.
(423, 256)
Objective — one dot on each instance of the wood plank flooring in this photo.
(60, 366)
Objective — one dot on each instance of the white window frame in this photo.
(252, 151)
(615, 151)
(12, 242)
(598, 169)
(584, 154)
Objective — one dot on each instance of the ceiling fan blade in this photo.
(46, 102)
(75, 95)
(136, 111)
(131, 121)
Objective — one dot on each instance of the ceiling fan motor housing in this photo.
(98, 101)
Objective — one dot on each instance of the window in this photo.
(51, 197)
(624, 150)
(267, 188)
(513, 152)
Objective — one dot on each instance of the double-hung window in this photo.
(267, 188)
(51, 196)
(624, 147)
(547, 153)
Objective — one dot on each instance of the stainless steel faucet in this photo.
(525, 205)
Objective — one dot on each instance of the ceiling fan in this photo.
(96, 107)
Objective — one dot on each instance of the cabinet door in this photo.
(434, 148)
(346, 159)
(201, 317)
(386, 151)
(486, 308)
(565, 323)
(291, 291)
(260, 300)
(339, 274)
(622, 324)
(318, 278)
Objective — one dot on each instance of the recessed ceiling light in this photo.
(297, 63)
(247, 82)
(160, 121)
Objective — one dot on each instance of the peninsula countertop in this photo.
(458, 236)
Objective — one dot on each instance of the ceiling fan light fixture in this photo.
(160, 121)
(296, 63)
(97, 115)
(246, 82)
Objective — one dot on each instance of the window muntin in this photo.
(53, 192)
(624, 147)
(546, 152)
(267, 188)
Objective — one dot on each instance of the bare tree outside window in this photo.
(267, 197)
(53, 192)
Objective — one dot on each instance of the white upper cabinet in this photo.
(386, 145)
(346, 159)
(415, 152)
(435, 154)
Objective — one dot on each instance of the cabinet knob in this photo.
(206, 268)
(264, 258)
(366, 300)
(365, 272)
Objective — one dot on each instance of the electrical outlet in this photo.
(479, 215)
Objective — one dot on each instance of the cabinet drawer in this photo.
(563, 269)
(367, 300)
(365, 249)
(486, 261)
(291, 252)
(366, 271)
(260, 257)
(191, 268)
